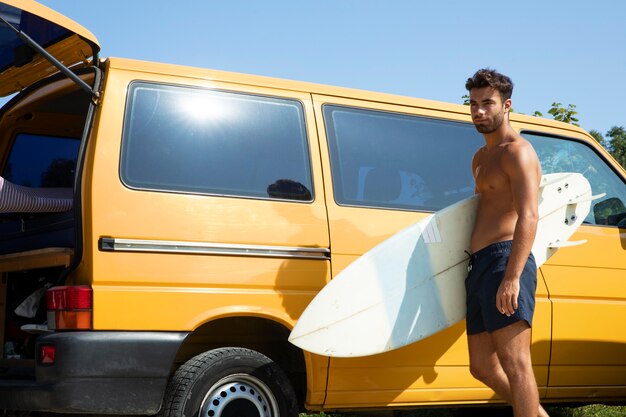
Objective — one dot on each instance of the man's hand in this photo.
(506, 297)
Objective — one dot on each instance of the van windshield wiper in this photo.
(50, 58)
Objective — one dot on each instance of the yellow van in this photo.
(162, 228)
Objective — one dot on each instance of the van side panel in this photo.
(257, 257)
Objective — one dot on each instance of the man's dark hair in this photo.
(487, 77)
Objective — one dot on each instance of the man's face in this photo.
(487, 109)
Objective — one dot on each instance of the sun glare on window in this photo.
(203, 108)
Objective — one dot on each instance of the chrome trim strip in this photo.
(107, 244)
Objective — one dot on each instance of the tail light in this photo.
(70, 307)
(47, 354)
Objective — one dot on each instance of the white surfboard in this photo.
(412, 285)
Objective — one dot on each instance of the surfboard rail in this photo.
(567, 244)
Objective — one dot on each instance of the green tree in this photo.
(563, 114)
(598, 137)
(617, 147)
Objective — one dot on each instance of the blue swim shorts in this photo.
(485, 274)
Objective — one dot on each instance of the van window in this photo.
(42, 161)
(393, 160)
(193, 140)
(562, 155)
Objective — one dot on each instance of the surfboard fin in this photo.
(567, 244)
(582, 199)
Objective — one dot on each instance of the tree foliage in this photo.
(598, 137)
(563, 114)
(617, 147)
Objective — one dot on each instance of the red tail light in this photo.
(47, 354)
(70, 307)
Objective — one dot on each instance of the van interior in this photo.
(40, 142)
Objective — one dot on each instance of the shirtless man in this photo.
(503, 276)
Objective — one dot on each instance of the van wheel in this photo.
(229, 382)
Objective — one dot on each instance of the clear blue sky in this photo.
(571, 52)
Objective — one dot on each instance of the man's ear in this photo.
(507, 105)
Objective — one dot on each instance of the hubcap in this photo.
(239, 395)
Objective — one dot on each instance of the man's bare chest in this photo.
(490, 176)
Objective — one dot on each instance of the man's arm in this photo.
(522, 167)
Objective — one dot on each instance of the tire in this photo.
(229, 382)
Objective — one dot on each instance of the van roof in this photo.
(321, 89)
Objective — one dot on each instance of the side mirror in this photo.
(611, 212)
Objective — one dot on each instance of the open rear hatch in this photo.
(47, 59)
(20, 64)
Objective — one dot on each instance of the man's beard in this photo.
(492, 126)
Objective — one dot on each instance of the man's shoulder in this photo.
(480, 150)
(519, 154)
(478, 154)
(519, 145)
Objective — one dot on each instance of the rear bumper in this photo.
(97, 372)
